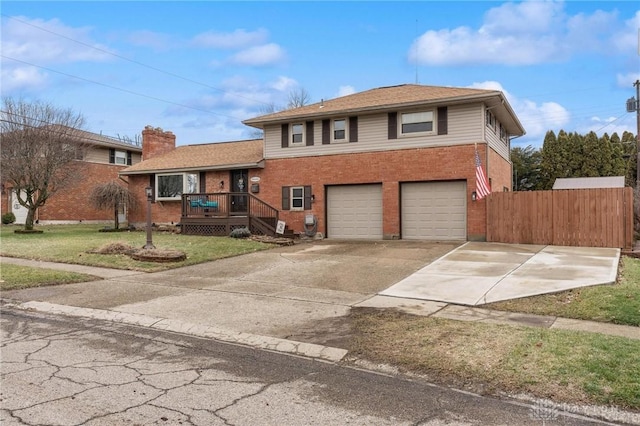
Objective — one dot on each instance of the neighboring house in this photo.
(103, 159)
(387, 163)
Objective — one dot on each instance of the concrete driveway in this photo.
(304, 292)
(480, 273)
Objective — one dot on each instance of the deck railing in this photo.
(206, 209)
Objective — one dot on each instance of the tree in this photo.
(526, 168)
(39, 146)
(298, 97)
(112, 195)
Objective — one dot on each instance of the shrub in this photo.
(240, 233)
(8, 218)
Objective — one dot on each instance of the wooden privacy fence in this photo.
(573, 217)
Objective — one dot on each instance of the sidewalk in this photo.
(199, 324)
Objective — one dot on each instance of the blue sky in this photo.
(199, 68)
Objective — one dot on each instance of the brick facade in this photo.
(156, 142)
(389, 168)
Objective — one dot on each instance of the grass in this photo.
(617, 303)
(14, 277)
(73, 244)
(565, 366)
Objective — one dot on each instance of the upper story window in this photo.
(172, 186)
(297, 133)
(490, 119)
(503, 133)
(120, 157)
(416, 122)
(340, 130)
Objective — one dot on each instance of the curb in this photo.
(275, 344)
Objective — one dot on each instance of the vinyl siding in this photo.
(98, 154)
(464, 126)
(494, 141)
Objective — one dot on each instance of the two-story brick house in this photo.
(387, 163)
(102, 160)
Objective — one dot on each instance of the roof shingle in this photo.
(223, 155)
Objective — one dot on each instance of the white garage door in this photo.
(354, 211)
(434, 211)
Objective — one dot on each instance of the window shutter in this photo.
(203, 182)
(393, 125)
(442, 121)
(112, 156)
(309, 136)
(353, 129)
(326, 132)
(307, 197)
(285, 198)
(152, 184)
(285, 135)
(129, 158)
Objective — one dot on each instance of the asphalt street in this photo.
(69, 371)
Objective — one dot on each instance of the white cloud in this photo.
(267, 54)
(626, 39)
(346, 90)
(535, 118)
(625, 81)
(609, 125)
(46, 42)
(236, 40)
(524, 33)
(21, 78)
(284, 84)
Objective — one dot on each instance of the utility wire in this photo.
(120, 89)
(133, 61)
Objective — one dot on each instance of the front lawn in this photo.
(73, 244)
(565, 366)
(15, 277)
(617, 303)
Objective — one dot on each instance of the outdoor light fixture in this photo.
(221, 184)
(149, 191)
(313, 198)
(474, 196)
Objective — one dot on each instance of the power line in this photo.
(133, 60)
(120, 89)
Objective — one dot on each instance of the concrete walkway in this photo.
(480, 273)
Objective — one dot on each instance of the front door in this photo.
(18, 209)
(239, 184)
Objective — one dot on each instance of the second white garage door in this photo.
(354, 211)
(434, 211)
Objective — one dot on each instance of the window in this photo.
(172, 186)
(297, 198)
(120, 157)
(490, 120)
(417, 122)
(340, 130)
(297, 133)
(503, 133)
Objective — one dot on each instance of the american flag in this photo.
(482, 184)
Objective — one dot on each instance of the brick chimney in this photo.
(156, 142)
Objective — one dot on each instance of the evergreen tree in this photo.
(551, 158)
(592, 156)
(526, 168)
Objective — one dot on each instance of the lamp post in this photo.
(633, 105)
(149, 191)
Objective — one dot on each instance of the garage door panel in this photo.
(434, 210)
(354, 211)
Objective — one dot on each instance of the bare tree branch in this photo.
(39, 147)
(111, 195)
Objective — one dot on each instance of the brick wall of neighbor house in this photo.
(156, 142)
(499, 171)
(387, 167)
(71, 204)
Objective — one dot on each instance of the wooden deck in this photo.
(220, 213)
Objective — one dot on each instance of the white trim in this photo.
(185, 188)
(302, 134)
(333, 130)
(291, 198)
(402, 114)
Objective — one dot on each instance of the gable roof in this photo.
(213, 156)
(397, 97)
(589, 182)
